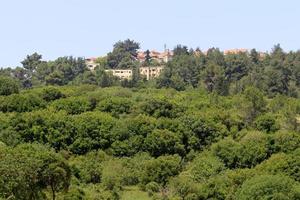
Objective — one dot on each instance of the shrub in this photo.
(8, 86)
(152, 188)
(266, 123)
(269, 187)
(73, 105)
(51, 94)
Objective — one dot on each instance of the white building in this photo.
(91, 63)
(121, 73)
(151, 72)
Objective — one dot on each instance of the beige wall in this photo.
(90, 63)
(151, 72)
(121, 73)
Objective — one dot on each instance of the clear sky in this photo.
(86, 28)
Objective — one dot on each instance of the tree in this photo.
(254, 56)
(266, 123)
(161, 142)
(160, 169)
(104, 79)
(269, 187)
(237, 66)
(215, 80)
(204, 166)
(147, 57)
(31, 62)
(253, 104)
(228, 151)
(55, 78)
(27, 170)
(51, 94)
(180, 50)
(123, 52)
(8, 86)
(70, 67)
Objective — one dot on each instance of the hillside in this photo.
(86, 142)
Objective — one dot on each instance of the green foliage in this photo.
(152, 187)
(51, 94)
(21, 103)
(161, 142)
(159, 108)
(269, 187)
(266, 123)
(286, 141)
(25, 171)
(228, 151)
(32, 61)
(123, 54)
(115, 105)
(250, 151)
(161, 169)
(88, 168)
(73, 105)
(92, 132)
(253, 104)
(200, 132)
(8, 86)
(125, 143)
(205, 166)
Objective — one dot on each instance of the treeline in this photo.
(273, 73)
(277, 72)
(86, 142)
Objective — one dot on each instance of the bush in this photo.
(228, 151)
(161, 169)
(266, 123)
(269, 187)
(88, 168)
(201, 132)
(152, 188)
(204, 166)
(93, 132)
(286, 141)
(161, 142)
(160, 108)
(21, 103)
(115, 105)
(73, 105)
(8, 86)
(40, 168)
(51, 94)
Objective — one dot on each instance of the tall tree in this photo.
(180, 50)
(32, 61)
(147, 57)
(123, 52)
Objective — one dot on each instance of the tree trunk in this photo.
(53, 192)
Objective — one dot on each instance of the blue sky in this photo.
(86, 28)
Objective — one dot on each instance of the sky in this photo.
(89, 28)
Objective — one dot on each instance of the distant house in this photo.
(160, 57)
(235, 51)
(121, 73)
(91, 63)
(151, 72)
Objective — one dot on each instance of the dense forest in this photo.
(277, 72)
(212, 126)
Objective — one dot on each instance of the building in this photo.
(160, 57)
(91, 63)
(235, 51)
(121, 73)
(151, 72)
